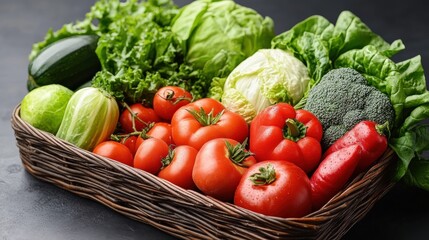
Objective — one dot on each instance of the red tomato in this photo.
(283, 190)
(149, 155)
(206, 119)
(143, 116)
(160, 130)
(218, 167)
(130, 143)
(139, 141)
(177, 167)
(168, 99)
(280, 132)
(114, 150)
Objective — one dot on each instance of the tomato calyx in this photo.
(167, 159)
(294, 130)
(205, 119)
(237, 154)
(265, 176)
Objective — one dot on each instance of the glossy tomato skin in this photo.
(144, 115)
(288, 196)
(114, 150)
(168, 99)
(149, 155)
(179, 170)
(130, 143)
(187, 130)
(270, 140)
(160, 130)
(214, 173)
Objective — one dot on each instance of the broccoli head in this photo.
(342, 99)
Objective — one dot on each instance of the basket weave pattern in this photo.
(183, 213)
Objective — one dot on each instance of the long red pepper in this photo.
(369, 136)
(333, 173)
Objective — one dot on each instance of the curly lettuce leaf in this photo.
(141, 55)
(138, 42)
(97, 20)
(129, 84)
(132, 85)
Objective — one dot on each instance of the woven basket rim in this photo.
(311, 220)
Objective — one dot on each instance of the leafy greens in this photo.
(145, 45)
(219, 34)
(140, 52)
(323, 46)
(137, 50)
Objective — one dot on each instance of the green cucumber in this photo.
(90, 117)
(70, 62)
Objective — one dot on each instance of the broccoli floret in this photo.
(342, 99)
(331, 134)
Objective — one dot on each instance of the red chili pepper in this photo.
(333, 173)
(369, 136)
(281, 133)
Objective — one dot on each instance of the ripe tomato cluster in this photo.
(272, 165)
(201, 145)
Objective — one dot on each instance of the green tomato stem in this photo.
(237, 154)
(265, 176)
(168, 159)
(175, 100)
(133, 116)
(205, 119)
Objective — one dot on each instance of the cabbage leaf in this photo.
(217, 35)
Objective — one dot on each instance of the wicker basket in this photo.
(183, 213)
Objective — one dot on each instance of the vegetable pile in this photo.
(206, 96)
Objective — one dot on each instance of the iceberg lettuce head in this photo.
(267, 77)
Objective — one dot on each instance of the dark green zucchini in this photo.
(70, 62)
